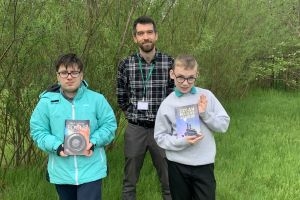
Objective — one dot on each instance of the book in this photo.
(187, 120)
(76, 138)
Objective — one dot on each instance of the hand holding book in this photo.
(77, 138)
(88, 152)
(194, 138)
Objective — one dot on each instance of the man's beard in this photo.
(147, 48)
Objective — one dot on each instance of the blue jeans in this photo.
(86, 191)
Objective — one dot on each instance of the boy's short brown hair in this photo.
(186, 61)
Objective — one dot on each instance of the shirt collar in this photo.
(154, 58)
(179, 94)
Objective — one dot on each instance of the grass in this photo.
(257, 159)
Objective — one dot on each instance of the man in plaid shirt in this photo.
(142, 84)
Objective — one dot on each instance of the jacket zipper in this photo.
(75, 157)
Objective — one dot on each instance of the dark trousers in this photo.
(138, 141)
(86, 191)
(191, 182)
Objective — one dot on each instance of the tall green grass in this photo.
(257, 159)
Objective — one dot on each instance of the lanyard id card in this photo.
(142, 105)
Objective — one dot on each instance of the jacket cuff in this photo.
(59, 149)
(92, 147)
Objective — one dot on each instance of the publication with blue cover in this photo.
(187, 120)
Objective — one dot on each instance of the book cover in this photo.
(187, 120)
(77, 134)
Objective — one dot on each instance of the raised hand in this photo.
(202, 103)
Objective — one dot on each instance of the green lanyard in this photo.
(147, 78)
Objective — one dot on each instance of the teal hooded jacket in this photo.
(47, 125)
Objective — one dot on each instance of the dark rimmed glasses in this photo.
(65, 74)
(181, 79)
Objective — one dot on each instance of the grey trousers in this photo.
(138, 140)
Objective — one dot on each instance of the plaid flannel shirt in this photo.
(130, 85)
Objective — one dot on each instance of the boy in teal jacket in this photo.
(76, 177)
(190, 157)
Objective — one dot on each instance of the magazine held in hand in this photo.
(77, 133)
(187, 120)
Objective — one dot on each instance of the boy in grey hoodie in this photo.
(190, 158)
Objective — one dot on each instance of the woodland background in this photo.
(240, 45)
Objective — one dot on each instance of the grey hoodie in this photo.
(214, 119)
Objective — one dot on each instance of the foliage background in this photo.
(240, 44)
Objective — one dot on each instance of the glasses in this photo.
(181, 79)
(65, 74)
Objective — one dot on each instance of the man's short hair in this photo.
(143, 20)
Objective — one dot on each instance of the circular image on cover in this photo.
(76, 143)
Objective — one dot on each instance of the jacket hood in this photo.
(48, 93)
